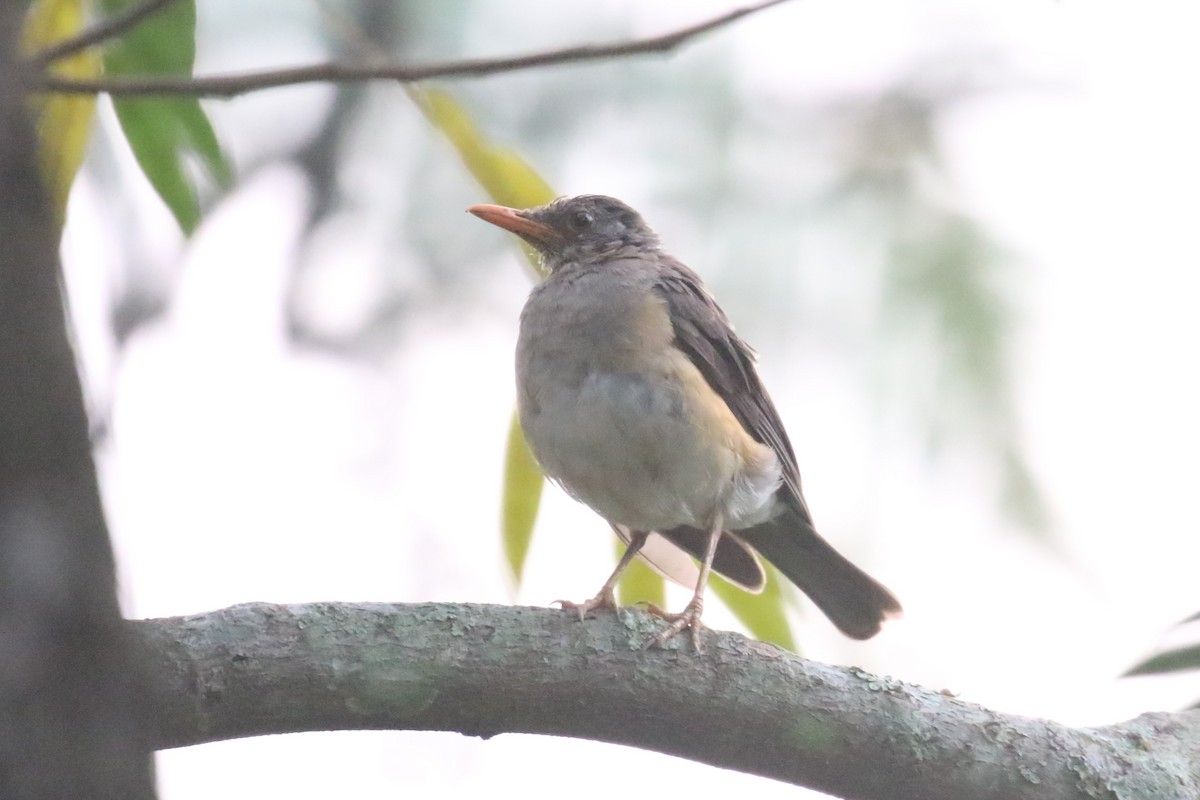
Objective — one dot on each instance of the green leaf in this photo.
(763, 614)
(1023, 498)
(523, 482)
(639, 583)
(171, 138)
(510, 181)
(1178, 660)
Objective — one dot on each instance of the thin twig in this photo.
(233, 85)
(105, 29)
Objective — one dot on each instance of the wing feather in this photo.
(705, 335)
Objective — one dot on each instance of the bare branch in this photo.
(105, 29)
(233, 85)
(484, 670)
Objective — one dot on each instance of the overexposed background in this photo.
(259, 441)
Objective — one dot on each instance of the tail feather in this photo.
(854, 601)
(735, 560)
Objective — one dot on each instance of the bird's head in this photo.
(586, 228)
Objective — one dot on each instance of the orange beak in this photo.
(515, 221)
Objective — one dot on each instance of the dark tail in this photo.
(854, 601)
(735, 560)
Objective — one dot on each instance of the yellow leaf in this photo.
(510, 181)
(523, 484)
(63, 121)
(503, 174)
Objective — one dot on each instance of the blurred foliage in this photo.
(171, 138)
(750, 174)
(1177, 660)
(324, 157)
(944, 305)
(508, 180)
(1183, 658)
(63, 121)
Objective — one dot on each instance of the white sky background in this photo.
(243, 469)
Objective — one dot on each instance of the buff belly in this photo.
(652, 449)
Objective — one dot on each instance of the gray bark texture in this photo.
(483, 670)
(69, 712)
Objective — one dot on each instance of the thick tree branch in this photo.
(483, 670)
(233, 85)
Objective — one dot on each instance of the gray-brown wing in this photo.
(704, 333)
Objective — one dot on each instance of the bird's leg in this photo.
(690, 616)
(605, 598)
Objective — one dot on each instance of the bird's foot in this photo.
(605, 600)
(688, 619)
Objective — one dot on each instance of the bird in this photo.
(637, 397)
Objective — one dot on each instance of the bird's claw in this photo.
(605, 601)
(689, 619)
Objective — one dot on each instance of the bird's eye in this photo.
(581, 220)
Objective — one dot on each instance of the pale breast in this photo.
(624, 421)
